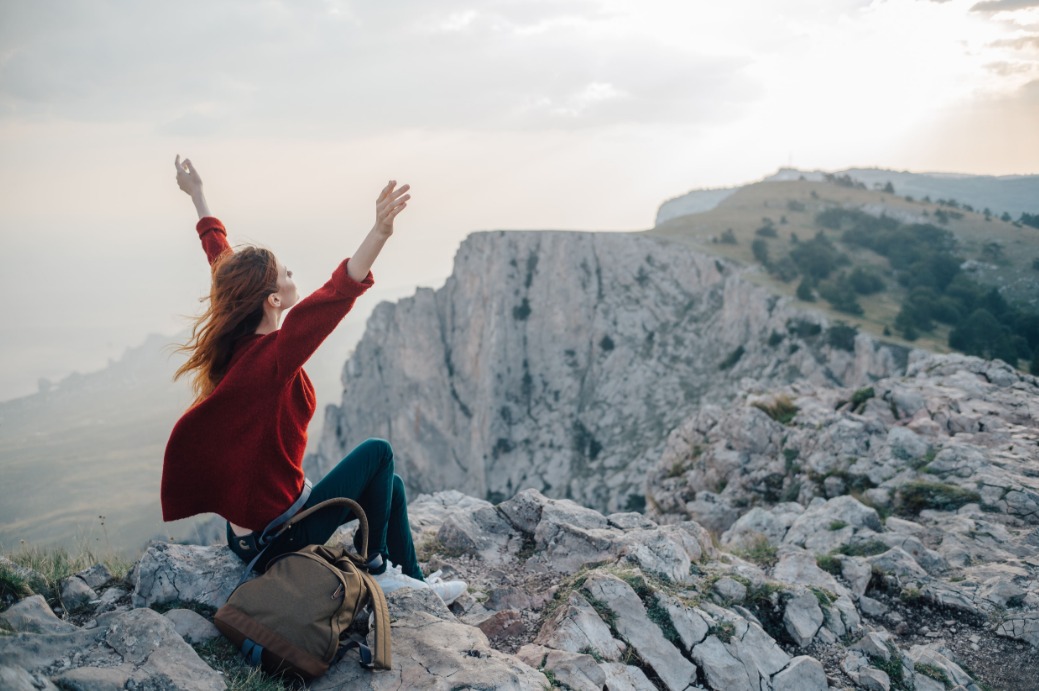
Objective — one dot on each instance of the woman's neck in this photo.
(270, 322)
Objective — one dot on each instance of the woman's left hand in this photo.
(188, 178)
(391, 202)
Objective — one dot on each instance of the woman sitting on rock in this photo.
(238, 451)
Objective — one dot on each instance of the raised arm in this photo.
(310, 322)
(210, 230)
(188, 180)
(391, 202)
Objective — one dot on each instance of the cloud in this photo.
(1004, 5)
(235, 66)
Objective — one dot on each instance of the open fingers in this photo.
(387, 190)
(386, 205)
(390, 195)
(392, 213)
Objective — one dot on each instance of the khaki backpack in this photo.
(297, 617)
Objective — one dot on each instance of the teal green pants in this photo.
(366, 476)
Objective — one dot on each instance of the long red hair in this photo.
(242, 280)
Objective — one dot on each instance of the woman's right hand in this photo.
(391, 202)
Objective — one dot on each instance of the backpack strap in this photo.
(293, 516)
(268, 534)
(381, 630)
(337, 501)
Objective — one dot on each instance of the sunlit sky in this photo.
(574, 114)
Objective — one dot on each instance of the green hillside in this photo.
(911, 270)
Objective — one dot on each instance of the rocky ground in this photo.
(885, 537)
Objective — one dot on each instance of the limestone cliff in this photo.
(561, 361)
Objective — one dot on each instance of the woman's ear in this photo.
(274, 300)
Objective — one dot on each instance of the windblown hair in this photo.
(242, 280)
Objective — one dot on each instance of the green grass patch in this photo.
(936, 673)
(14, 586)
(656, 612)
(766, 602)
(925, 460)
(52, 565)
(825, 597)
(828, 563)
(837, 525)
(920, 495)
(589, 650)
(893, 668)
(863, 549)
(761, 552)
(219, 654)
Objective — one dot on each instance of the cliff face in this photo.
(561, 361)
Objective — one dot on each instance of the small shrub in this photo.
(522, 311)
(892, 667)
(918, 496)
(824, 597)
(781, 409)
(837, 525)
(677, 469)
(732, 358)
(859, 398)
(12, 585)
(589, 650)
(759, 248)
(803, 328)
(842, 336)
(911, 595)
(792, 492)
(729, 237)
(724, 630)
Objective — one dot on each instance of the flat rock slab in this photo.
(433, 650)
(140, 646)
(185, 573)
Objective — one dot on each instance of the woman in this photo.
(238, 451)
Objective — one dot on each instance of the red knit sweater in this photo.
(239, 453)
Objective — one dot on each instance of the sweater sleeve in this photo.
(310, 322)
(213, 236)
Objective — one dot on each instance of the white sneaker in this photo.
(449, 591)
(392, 579)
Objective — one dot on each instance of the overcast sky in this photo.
(579, 114)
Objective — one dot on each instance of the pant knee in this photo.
(397, 491)
(379, 449)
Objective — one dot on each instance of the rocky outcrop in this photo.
(560, 595)
(561, 362)
(921, 487)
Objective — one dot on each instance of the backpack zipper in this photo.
(338, 592)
